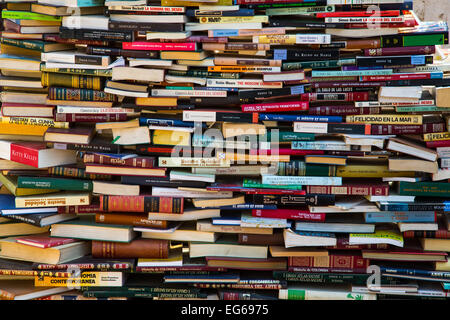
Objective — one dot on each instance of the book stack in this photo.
(246, 149)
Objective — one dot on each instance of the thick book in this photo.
(143, 204)
(137, 248)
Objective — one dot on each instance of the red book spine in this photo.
(387, 129)
(439, 234)
(341, 110)
(361, 190)
(276, 106)
(400, 51)
(141, 204)
(332, 261)
(405, 24)
(346, 96)
(138, 162)
(231, 296)
(186, 268)
(293, 214)
(385, 13)
(275, 191)
(438, 144)
(394, 77)
(24, 154)
(327, 270)
(88, 117)
(168, 46)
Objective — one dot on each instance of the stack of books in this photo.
(225, 149)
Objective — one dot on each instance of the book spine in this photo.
(71, 81)
(187, 46)
(289, 214)
(186, 268)
(127, 219)
(439, 234)
(25, 44)
(137, 162)
(29, 219)
(143, 248)
(400, 51)
(276, 107)
(252, 286)
(341, 110)
(54, 183)
(389, 129)
(142, 204)
(361, 190)
(332, 261)
(25, 155)
(81, 117)
(138, 26)
(99, 35)
(91, 208)
(55, 93)
(327, 270)
(312, 199)
(76, 173)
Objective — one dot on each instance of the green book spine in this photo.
(84, 72)
(26, 44)
(79, 94)
(414, 40)
(24, 15)
(317, 64)
(300, 168)
(431, 189)
(255, 184)
(54, 183)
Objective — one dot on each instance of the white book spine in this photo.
(71, 109)
(312, 38)
(310, 127)
(188, 93)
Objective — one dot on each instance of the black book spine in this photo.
(86, 59)
(303, 24)
(109, 51)
(34, 220)
(347, 128)
(430, 82)
(235, 117)
(105, 148)
(87, 34)
(136, 26)
(268, 93)
(214, 102)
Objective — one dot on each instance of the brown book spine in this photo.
(183, 269)
(140, 248)
(130, 220)
(341, 110)
(90, 208)
(138, 162)
(261, 239)
(363, 44)
(343, 244)
(386, 129)
(361, 190)
(79, 117)
(332, 261)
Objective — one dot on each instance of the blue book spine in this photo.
(165, 122)
(226, 33)
(292, 118)
(90, 3)
(409, 216)
(446, 285)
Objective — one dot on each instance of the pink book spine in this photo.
(141, 45)
(276, 106)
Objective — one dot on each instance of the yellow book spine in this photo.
(43, 122)
(439, 136)
(238, 157)
(173, 138)
(367, 171)
(385, 119)
(87, 279)
(155, 102)
(180, 3)
(263, 19)
(276, 39)
(53, 200)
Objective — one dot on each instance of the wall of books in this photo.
(223, 150)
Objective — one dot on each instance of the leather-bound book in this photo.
(139, 248)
